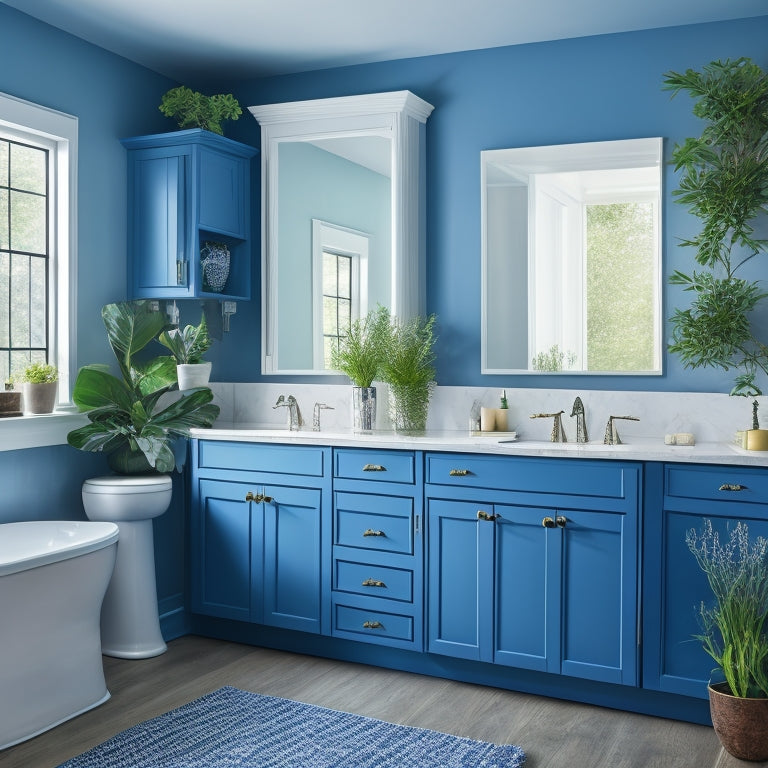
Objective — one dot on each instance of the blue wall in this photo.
(587, 89)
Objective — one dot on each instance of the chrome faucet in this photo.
(294, 414)
(611, 433)
(316, 415)
(581, 421)
(558, 433)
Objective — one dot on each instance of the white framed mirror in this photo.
(342, 220)
(571, 258)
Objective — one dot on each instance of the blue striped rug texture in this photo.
(230, 728)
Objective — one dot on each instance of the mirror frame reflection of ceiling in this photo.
(540, 310)
(347, 127)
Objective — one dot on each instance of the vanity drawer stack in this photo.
(377, 572)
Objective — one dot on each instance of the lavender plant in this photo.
(733, 629)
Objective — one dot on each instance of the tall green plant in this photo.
(724, 183)
(734, 627)
(360, 352)
(408, 367)
(127, 420)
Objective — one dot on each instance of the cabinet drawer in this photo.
(535, 476)
(373, 580)
(370, 521)
(727, 484)
(372, 623)
(384, 466)
(259, 457)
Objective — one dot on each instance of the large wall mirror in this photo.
(342, 220)
(571, 258)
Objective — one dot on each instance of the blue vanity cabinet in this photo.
(533, 563)
(674, 585)
(260, 533)
(187, 188)
(377, 579)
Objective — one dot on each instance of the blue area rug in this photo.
(230, 728)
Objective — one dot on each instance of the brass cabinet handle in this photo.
(732, 487)
(557, 522)
(371, 532)
(249, 496)
(258, 498)
(483, 515)
(373, 583)
(374, 468)
(548, 522)
(372, 625)
(458, 472)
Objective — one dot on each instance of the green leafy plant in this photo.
(39, 373)
(127, 420)
(360, 352)
(192, 109)
(553, 360)
(733, 629)
(188, 345)
(724, 183)
(407, 365)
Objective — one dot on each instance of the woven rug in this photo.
(230, 728)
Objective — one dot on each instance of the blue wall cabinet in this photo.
(260, 534)
(517, 582)
(187, 188)
(378, 557)
(675, 586)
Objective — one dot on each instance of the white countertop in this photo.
(636, 449)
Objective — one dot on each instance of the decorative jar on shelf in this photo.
(214, 264)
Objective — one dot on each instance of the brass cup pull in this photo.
(374, 468)
(548, 522)
(373, 583)
(458, 472)
(372, 625)
(371, 532)
(732, 487)
(483, 515)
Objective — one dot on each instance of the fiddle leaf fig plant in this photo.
(724, 183)
(192, 109)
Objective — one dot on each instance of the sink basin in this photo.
(545, 445)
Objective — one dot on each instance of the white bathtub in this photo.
(53, 576)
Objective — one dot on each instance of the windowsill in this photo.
(17, 432)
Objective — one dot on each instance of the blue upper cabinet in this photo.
(188, 189)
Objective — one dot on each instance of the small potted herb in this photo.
(10, 400)
(40, 383)
(188, 345)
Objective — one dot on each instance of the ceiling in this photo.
(192, 40)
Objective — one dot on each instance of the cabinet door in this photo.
(221, 535)
(599, 596)
(296, 574)
(158, 234)
(460, 593)
(222, 193)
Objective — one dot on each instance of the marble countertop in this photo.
(636, 449)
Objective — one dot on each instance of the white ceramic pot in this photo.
(193, 375)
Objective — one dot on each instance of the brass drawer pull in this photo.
(458, 472)
(258, 498)
(372, 625)
(732, 487)
(374, 468)
(371, 532)
(483, 515)
(373, 583)
(557, 522)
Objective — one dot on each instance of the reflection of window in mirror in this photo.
(571, 258)
(339, 285)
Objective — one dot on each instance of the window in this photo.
(38, 152)
(340, 285)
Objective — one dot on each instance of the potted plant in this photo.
(192, 109)
(734, 635)
(724, 183)
(40, 382)
(10, 400)
(128, 422)
(188, 347)
(359, 356)
(407, 365)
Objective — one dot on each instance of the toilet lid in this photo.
(127, 484)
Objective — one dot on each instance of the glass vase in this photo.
(363, 409)
(409, 407)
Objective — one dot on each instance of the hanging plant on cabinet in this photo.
(724, 183)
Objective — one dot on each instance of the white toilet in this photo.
(130, 627)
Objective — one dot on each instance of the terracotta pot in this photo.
(740, 724)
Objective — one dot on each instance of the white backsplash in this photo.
(710, 417)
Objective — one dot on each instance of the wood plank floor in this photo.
(554, 734)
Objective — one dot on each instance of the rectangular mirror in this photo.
(571, 258)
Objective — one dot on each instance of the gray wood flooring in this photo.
(554, 734)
